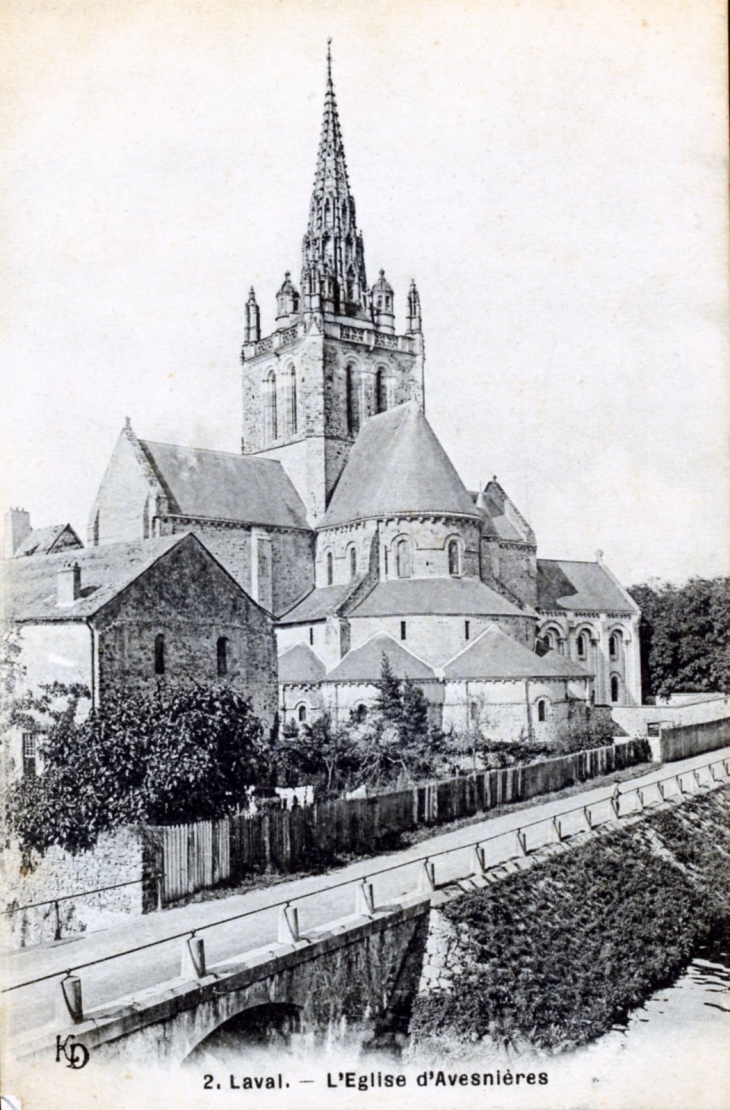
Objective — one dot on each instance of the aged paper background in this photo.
(553, 174)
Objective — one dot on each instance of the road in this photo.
(320, 898)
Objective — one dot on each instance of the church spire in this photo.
(333, 261)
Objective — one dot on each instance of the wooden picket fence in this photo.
(192, 857)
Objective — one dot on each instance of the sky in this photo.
(553, 175)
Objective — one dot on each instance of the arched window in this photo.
(146, 520)
(291, 401)
(549, 638)
(361, 712)
(381, 391)
(330, 568)
(613, 645)
(352, 400)
(160, 653)
(222, 651)
(96, 530)
(302, 713)
(581, 645)
(454, 557)
(474, 710)
(353, 562)
(403, 564)
(615, 688)
(542, 710)
(271, 426)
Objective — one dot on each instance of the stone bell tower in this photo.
(334, 358)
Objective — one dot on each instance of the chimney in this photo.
(17, 527)
(69, 585)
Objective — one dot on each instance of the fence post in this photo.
(589, 818)
(521, 843)
(477, 861)
(71, 1000)
(557, 829)
(57, 912)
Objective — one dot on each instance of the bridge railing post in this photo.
(477, 860)
(192, 965)
(365, 899)
(521, 843)
(427, 876)
(557, 830)
(70, 1003)
(588, 817)
(288, 924)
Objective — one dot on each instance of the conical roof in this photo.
(397, 465)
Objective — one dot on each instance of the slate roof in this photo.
(40, 541)
(444, 596)
(563, 584)
(397, 465)
(319, 604)
(496, 655)
(364, 664)
(223, 486)
(300, 664)
(30, 585)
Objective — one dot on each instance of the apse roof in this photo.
(300, 664)
(438, 596)
(319, 604)
(563, 584)
(495, 655)
(225, 486)
(364, 664)
(397, 465)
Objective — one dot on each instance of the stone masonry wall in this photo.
(123, 856)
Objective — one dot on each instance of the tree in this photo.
(321, 752)
(685, 636)
(170, 754)
(396, 742)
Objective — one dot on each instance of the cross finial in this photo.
(329, 59)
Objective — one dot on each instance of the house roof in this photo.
(563, 584)
(40, 541)
(496, 655)
(364, 664)
(319, 604)
(397, 465)
(225, 486)
(300, 664)
(30, 585)
(444, 596)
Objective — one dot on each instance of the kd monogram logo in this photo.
(76, 1055)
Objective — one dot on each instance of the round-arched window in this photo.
(353, 562)
(302, 713)
(403, 562)
(581, 645)
(613, 645)
(454, 553)
(330, 561)
(615, 688)
(361, 712)
(542, 709)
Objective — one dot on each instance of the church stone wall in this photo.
(510, 568)
(192, 602)
(437, 639)
(429, 537)
(120, 502)
(507, 711)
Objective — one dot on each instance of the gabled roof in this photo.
(564, 584)
(223, 486)
(439, 596)
(365, 664)
(397, 465)
(500, 515)
(42, 541)
(30, 587)
(319, 604)
(496, 655)
(300, 664)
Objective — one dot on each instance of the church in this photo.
(344, 519)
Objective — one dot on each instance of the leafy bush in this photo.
(173, 754)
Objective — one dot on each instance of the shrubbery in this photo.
(558, 954)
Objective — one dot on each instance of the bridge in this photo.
(348, 977)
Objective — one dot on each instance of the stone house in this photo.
(129, 614)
